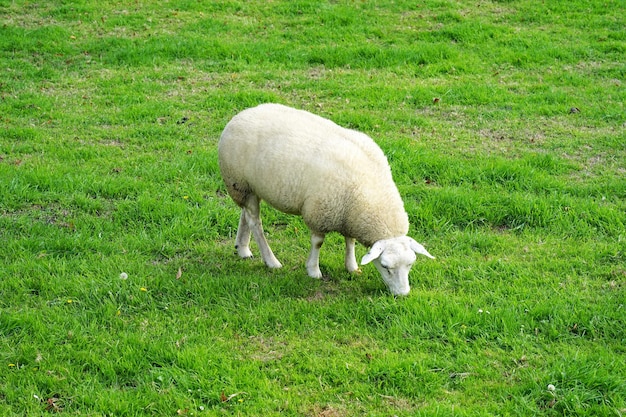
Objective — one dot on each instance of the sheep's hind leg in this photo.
(350, 259)
(313, 262)
(253, 220)
(242, 242)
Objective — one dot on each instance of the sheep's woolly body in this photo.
(337, 179)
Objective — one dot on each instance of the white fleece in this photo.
(337, 179)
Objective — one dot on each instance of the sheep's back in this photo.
(290, 157)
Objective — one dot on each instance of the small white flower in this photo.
(123, 275)
(551, 388)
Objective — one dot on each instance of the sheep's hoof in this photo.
(244, 252)
(274, 264)
(316, 275)
(352, 266)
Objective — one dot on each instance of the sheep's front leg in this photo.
(313, 262)
(242, 242)
(350, 259)
(253, 220)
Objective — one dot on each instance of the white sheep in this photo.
(337, 179)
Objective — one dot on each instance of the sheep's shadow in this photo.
(226, 272)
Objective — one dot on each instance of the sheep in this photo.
(337, 179)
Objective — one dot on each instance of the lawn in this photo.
(121, 293)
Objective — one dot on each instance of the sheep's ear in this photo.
(374, 252)
(419, 249)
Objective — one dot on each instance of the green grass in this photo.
(109, 119)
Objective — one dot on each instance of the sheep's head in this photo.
(393, 258)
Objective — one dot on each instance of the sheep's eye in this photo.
(385, 266)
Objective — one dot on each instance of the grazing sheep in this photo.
(337, 179)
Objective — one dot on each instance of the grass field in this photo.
(120, 290)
